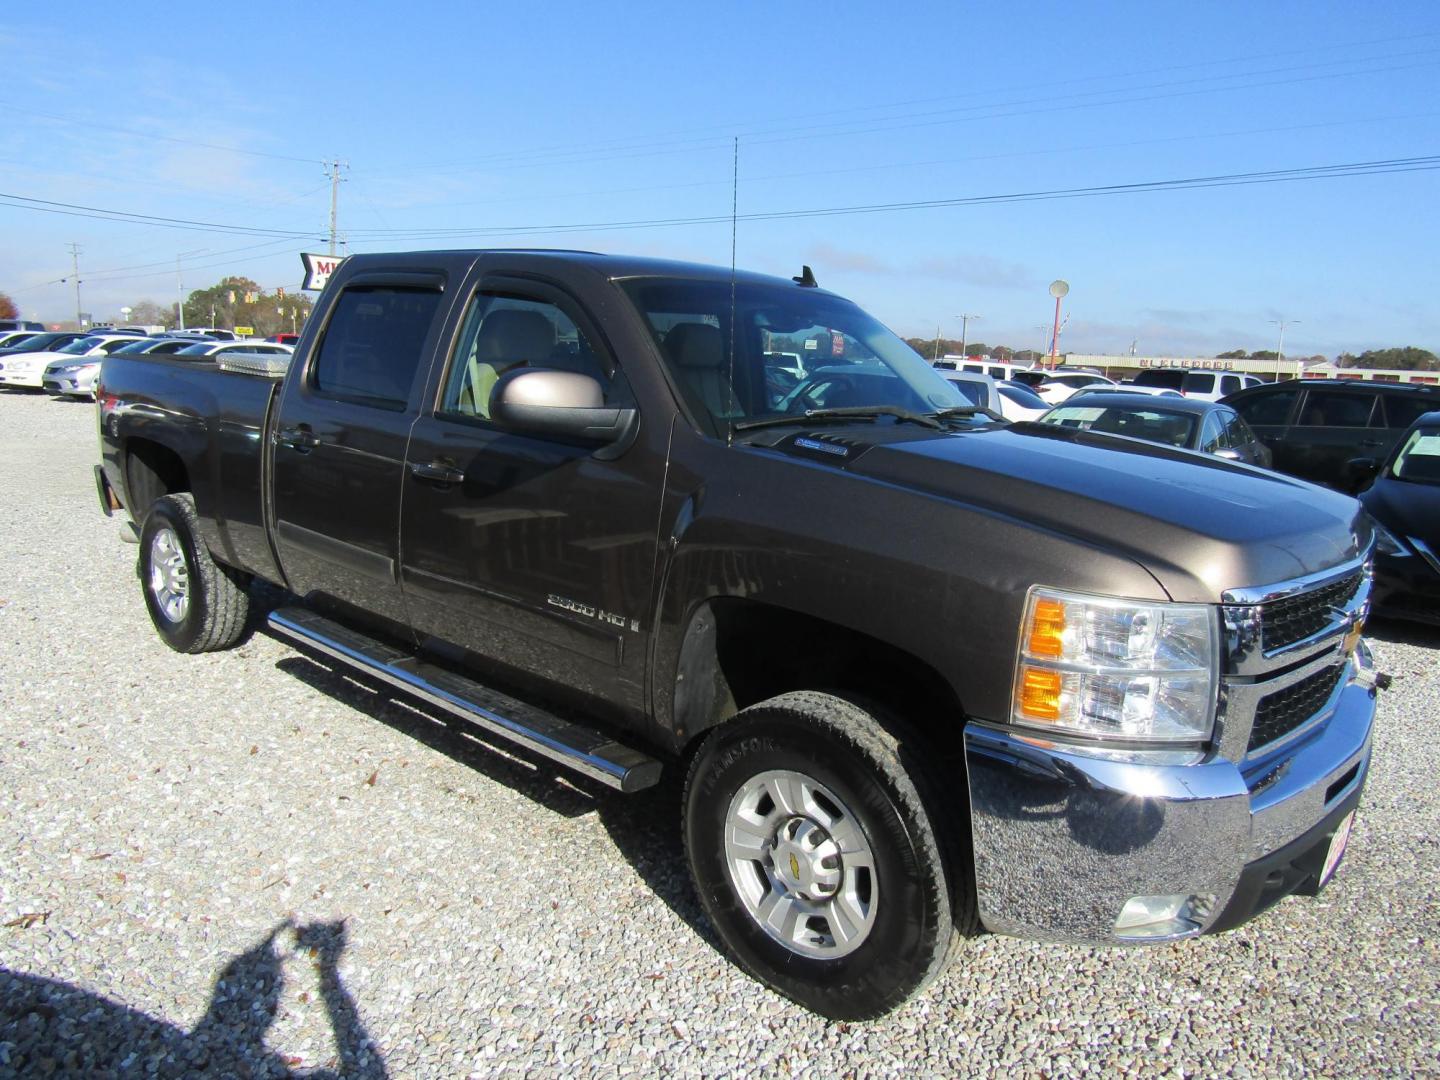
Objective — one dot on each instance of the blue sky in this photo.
(480, 118)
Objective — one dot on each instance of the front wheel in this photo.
(815, 856)
(196, 604)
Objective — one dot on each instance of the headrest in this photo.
(512, 337)
(695, 345)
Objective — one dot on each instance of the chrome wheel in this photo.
(801, 864)
(169, 575)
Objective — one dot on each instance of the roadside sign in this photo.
(245, 331)
(318, 269)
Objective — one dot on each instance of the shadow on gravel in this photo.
(1402, 632)
(645, 826)
(49, 1027)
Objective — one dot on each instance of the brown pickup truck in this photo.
(922, 671)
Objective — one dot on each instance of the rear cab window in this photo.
(372, 345)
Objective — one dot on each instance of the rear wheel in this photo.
(196, 604)
(815, 856)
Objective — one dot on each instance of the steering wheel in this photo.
(806, 395)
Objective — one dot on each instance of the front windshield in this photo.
(846, 358)
(1152, 425)
(81, 345)
(1419, 459)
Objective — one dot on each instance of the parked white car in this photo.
(1061, 384)
(217, 348)
(28, 368)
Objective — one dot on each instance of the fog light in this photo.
(1163, 916)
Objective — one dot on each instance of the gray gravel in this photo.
(244, 863)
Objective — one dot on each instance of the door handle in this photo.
(1371, 442)
(438, 472)
(300, 438)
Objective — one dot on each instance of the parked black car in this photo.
(1404, 500)
(1317, 427)
(1189, 423)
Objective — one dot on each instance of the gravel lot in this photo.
(245, 863)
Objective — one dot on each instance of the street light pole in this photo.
(964, 330)
(1280, 350)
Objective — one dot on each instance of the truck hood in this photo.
(1198, 523)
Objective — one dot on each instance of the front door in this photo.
(339, 454)
(526, 550)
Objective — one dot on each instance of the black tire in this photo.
(845, 749)
(217, 604)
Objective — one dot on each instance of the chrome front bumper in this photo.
(1064, 838)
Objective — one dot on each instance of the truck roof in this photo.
(613, 267)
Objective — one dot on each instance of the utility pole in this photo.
(75, 253)
(332, 170)
(964, 329)
(1280, 351)
(180, 287)
(936, 355)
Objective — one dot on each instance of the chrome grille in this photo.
(1294, 618)
(1282, 712)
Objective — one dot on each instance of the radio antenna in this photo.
(734, 219)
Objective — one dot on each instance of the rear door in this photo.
(527, 550)
(340, 438)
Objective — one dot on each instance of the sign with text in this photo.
(318, 269)
(245, 331)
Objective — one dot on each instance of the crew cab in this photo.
(922, 671)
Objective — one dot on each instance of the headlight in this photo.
(1386, 542)
(1117, 669)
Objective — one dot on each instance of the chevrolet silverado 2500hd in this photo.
(922, 671)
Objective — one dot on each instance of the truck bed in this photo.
(219, 417)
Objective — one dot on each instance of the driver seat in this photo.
(697, 350)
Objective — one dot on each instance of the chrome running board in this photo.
(577, 747)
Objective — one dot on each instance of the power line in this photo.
(75, 210)
(1315, 172)
(152, 135)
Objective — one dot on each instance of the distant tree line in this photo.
(8, 310)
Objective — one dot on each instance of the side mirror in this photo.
(1362, 468)
(565, 404)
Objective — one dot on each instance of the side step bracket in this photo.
(580, 748)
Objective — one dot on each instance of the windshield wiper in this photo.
(964, 412)
(857, 412)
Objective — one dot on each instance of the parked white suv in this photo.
(1202, 385)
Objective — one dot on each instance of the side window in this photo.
(1210, 434)
(1267, 410)
(1401, 412)
(1235, 436)
(1335, 408)
(372, 345)
(1229, 384)
(1198, 383)
(501, 333)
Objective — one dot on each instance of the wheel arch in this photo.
(737, 652)
(151, 470)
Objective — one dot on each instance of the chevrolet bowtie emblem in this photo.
(794, 866)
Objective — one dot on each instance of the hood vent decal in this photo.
(805, 443)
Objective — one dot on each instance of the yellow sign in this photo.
(245, 331)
